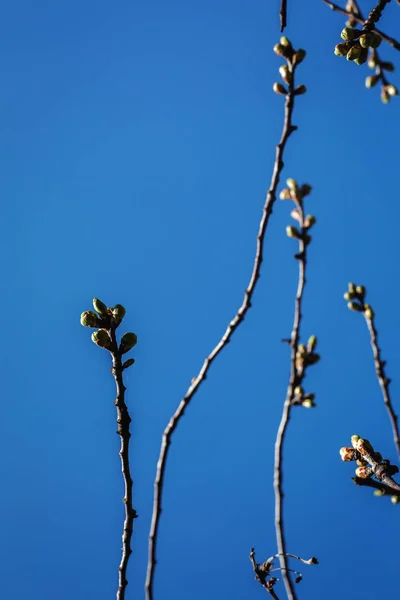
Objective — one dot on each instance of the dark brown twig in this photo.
(262, 576)
(377, 485)
(358, 17)
(270, 199)
(283, 14)
(383, 380)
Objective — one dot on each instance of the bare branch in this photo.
(270, 199)
(283, 14)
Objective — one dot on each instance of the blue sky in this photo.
(137, 145)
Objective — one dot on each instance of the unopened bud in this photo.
(118, 312)
(285, 42)
(308, 403)
(392, 90)
(366, 39)
(349, 34)
(354, 440)
(309, 221)
(364, 447)
(368, 312)
(371, 81)
(360, 290)
(90, 319)
(305, 189)
(301, 89)
(395, 499)
(362, 58)
(279, 89)
(313, 358)
(354, 52)
(285, 194)
(343, 48)
(102, 339)
(286, 74)
(347, 454)
(299, 56)
(355, 306)
(128, 341)
(364, 472)
(128, 363)
(312, 343)
(292, 232)
(376, 41)
(385, 97)
(100, 307)
(379, 493)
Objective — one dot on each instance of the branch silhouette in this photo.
(295, 58)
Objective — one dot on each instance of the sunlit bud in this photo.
(299, 56)
(118, 312)
(364, 447)
(347, 454)
(349, 34)
(309, 221)
(279, 49)
(90, 319)
(355, 306)
(101, 338)
(366, 39)
(279, 88)
(292, 185)
(354, 440)
(368, 312)
(371, 81)
(292, 232)
(362, 58)
(354, 52)
(395, 499)
(128, 363)
(100, 307)
(295, 215)
(352, 287)
(379, 493)
(360, 290)
(364, 472)
(388, 66)
(285, 194)
(312, 343)
(376, 41)
(348, 295)
(305, 189)
(385, 97)
(128, 341)
(343, 48)
(308, 403)
(298, 391)
(286, 74)
(361, 463)
(392, 90)
(285, 42)
(301, 89)
(372, 61)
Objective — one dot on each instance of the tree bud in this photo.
(102, 339)
(100, 307)
(90, 319)
(347, 454)
(128, 341)
(118, 313)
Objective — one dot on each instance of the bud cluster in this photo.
(355, 297)
(293, 59)
(356, 44)
(306, 357)
(297, 193)
(106, 319)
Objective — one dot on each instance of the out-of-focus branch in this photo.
(283, 14)
(356, 302)
(360, 20)
(108, 320)
(294, 58)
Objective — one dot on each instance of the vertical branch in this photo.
(284, 49)
(283, 14)
(108, 320)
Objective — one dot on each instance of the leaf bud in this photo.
(312, 343)
(100, 307)
(292, 232)
(90, 319)
(128, 341)
(279, 89)
(128, 363)
(102, 339)
(299, 56)
(301, 89)
(118, 313)
(371, 81)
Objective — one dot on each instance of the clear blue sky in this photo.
(137, 142)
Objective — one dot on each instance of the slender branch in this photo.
(283, 14)
(375, 14)
(262, 575)
(293, 382)
(377, 485)
(270, 199)
(359, 18)
(383, 380)
(123, 420)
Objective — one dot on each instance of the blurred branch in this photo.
(270, 199)
(283, 14)
(356, 302)
(360, 20)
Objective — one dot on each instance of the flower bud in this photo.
(118, 313)
(361, 463)
(285, 194)
(347, 454)
(360, 290)
(379, 493)
(312, 343)
(279, 89)
(387, 66)
(364, 472)
(343, 48)
(305, 189)
(301, 89)
(355, 306)
(100, 307)
(371, 81)
(354, 440)
(366, 39)
(313, 358)
(395, 499)
(128, 363)
(298, 391)
(368, 312)
(295, 215)
(299, 56)
(349, 34)
(308, 403)
(362, 58)
(392, 90)
(354, 52)
(128, 341)
(101, 338)
(90, 319)
(286, 74)
(292, 185)
(364, 447)
(373, 61)
(385, 97)
(292, 232)
(285, 42)
(301, 350)
(376, 41)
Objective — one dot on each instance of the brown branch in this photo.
(359, 18)
(383, 380)
(262, 576)
(293, 382)
(123, 420)
(283, 14)
(377, 485)
(270, 199)
(375, 14)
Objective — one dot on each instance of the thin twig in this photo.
(270, 199)
(377, 485)
(293, 382)
(123, 420)
(283, 14)
(358, 17)
(261, 576)
(383, 380)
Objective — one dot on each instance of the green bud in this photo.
(118, 312)
(348, 34)
(371, 81)
(355, 306)
(101, 338)
(392, 90)
(128, 363)
(366, 39)
(292, 232)
(308, 403)
(90, 319)
(354, 52)
(301, 350)
(373, 61)
(363, 57)
(395, 499)
(309, 221)
(364, 447)
(343, 48)
(376, 41)
(347, 454)
(360, 290)
(292, 185)
(312, 343)
(379, 493)
(100, 307)
(299, 56)
(286, 74)
(279, 89)
(285, 42)
(352, 287)
(368, 312)
(354, 440)
(301, 89)
(128, 341)
(298, 391)
(347, 296)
